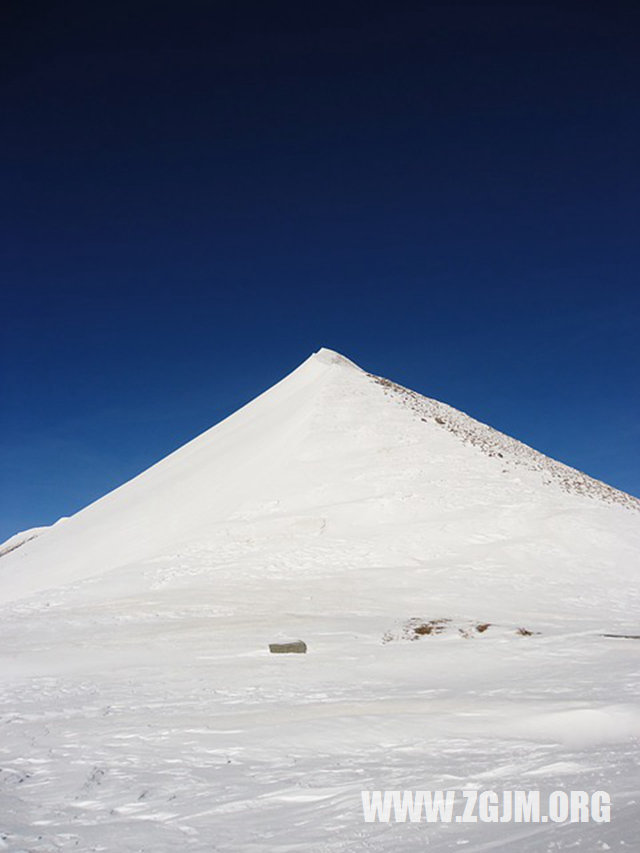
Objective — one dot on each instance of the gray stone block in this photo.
(298, 647)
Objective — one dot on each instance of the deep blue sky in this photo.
(197, 195)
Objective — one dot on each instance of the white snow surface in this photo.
(141, 709)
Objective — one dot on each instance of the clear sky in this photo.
(195, 196)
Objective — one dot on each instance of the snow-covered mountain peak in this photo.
(469, 607)
(328, 356)
(330, 445)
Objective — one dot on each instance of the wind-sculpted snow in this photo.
(497, 444)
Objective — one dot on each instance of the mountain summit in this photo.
(330, 449)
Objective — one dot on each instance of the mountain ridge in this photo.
(483, 436)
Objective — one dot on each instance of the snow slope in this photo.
(142, 710)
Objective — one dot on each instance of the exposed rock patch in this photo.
(415, 629)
